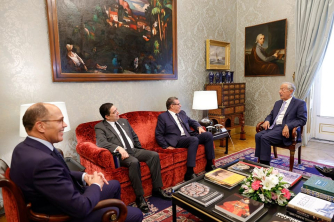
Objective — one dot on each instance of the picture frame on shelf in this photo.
(265, 49)
(217, 55)
(97, 40)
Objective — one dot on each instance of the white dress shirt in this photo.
(120, 136)
(178, 122)
(281, 115)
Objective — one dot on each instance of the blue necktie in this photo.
(280, 111)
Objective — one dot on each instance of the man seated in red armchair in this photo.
(116, 135)
(173, 131)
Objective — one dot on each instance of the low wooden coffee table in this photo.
(207, 214)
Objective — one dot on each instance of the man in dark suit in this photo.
(44, 178)
(173, 131)
(287, 114)
(117, 135)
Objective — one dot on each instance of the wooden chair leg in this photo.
(275, 151)
(299, 154)
(292, 157)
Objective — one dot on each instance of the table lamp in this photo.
(205, 100)
(60, 105)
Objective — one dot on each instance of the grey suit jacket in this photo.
(107, 137)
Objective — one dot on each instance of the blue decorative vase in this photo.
(220, 77)
(217, 77)
(211, 77)
(228, 77)
(232, 73)
(223, 77)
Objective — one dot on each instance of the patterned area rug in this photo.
(161, 210)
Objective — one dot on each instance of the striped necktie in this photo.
(280, 111)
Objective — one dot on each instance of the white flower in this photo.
(262, 197)
(244, 186)
(281, 199)
(274, 179)
(259, 173)
(269, 183)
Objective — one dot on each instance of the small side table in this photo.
(221, 136)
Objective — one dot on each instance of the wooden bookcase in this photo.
(231, 105)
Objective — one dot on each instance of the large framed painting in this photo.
(112, 40)
(265, 49)
(217, 54)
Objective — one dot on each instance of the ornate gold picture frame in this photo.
(97, 40)
(217, 54)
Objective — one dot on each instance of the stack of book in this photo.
(200, 193)
(309, 208)
(247, 168)
(224, 178)
(279, 217)
(238, 207)
(320, 187)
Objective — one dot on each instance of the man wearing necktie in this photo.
(287, 114)
(173, 131)
(44, 178)
(116, 135)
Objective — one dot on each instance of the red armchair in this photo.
(173, 162)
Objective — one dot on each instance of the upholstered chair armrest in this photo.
(259, 126)
(99, 156)
(111, 215)
(294, 134)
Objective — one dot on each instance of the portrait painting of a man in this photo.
(265, 49)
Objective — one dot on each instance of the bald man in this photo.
(44, 178)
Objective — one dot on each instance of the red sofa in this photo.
(173, 162)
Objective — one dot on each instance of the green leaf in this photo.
(169, 6)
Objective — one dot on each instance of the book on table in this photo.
(247, 168)
(320, 184)
(220, 184)
(224, 177)
(279, 217)
(200, 193)
(317, 194)
(238, 207)
(311, 207)
(243, 168)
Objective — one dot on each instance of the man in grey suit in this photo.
(117, 135)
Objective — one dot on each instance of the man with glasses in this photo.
(116, 135)
(173, 131)
(287, 113)
(46, 181)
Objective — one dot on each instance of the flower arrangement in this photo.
(266, 185)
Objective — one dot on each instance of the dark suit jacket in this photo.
(295, 115)
(167, 133)
(48, 184)
(107, 137)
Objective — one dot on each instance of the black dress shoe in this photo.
(210, 168)
(142, 205)
(327, 172)
(265, 162)
(189, 176)
(160, 193)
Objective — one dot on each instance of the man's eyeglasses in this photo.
(176, 104)
(60, 121)
(116, 110)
